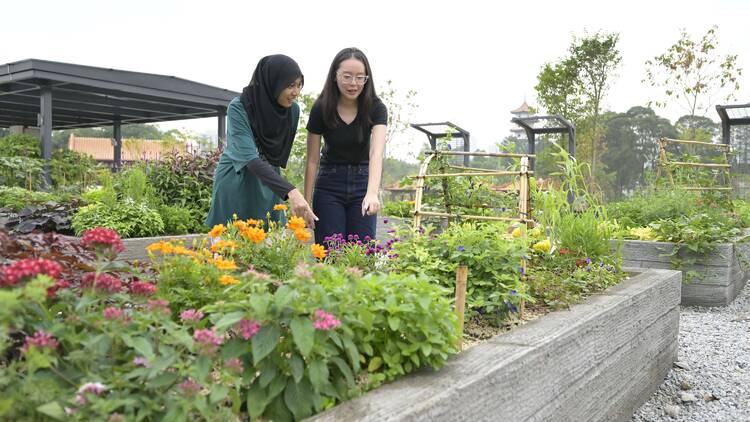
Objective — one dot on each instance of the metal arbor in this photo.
(435, 131)
(54, 95)
(538, 125)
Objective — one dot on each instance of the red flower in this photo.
(564, 251)
(40, 340)
(28, 268)
(141, 288)
(104, 283)
(104, 238)
(59, 284)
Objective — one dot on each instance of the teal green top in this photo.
(236, 189)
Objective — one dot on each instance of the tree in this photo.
(400, 110)
(698, 128)
(576, 85)
(691, 74)
(632, 147)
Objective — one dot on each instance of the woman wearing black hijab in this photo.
(261, 124)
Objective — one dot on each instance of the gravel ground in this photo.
(711, 380)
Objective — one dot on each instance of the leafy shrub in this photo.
(20, 145)
(185, 180)
(21, 171)
(16, 198)
(127, 217)
(133, 183)
(47, 217)
(178, 220)
(403, 209)
(72, 168)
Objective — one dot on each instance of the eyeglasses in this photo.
(349, 78)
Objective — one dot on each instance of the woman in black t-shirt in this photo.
(352, 120)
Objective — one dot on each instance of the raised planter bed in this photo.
(135, 248)
(599, 360)
(717, 277)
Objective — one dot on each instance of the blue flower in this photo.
(460, 248)
(522, 270)
(513, 292)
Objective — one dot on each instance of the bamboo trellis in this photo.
(724, 167)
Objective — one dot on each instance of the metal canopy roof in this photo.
(535, 125)
(86, 96)
(732, 115)
(434, 131)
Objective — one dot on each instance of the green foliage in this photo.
(128, 218)
(20, 145)
(21, 171)
(132, 183)
(402, 209)
(16, 198)
(72, 168)
(185, 180)
(179, 220)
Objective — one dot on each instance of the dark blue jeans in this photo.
(337, 201)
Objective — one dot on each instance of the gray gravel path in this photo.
(711, 380)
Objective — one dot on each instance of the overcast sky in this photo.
(470, 62)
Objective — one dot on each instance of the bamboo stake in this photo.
(468, 168)
(712, 165)
(683, 141)
(462, 274)
(523, 206)
(488, 173)
(468, 217)
(484, 154)
(419, 191)
(703, 188)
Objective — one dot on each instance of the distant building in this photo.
(101, 149)
(522, 111)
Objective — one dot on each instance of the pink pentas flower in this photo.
(113, 313)
(190, 387)
(141, 288)
(159, 305)
(247, 328)
(141, 361)
(234, 365)
(325, 321)
(95, 388)
(191, 315)
(59, 285)
(208, 340)
(40, 340)
(28, 268)
(102, 237)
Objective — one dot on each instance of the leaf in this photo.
(202, 366)
(53, 410)
(234, 348)
(163, 379)
(218, 393)
(297, 365)
(345, 369)
(257, 400)
(140, 344)
(265, 341)
(229, 319)
(303, 333)
(353, 353)
(268, 372)
(298, 398)
(394, 323)
(318, 372)
(276, 386)
(375, 364)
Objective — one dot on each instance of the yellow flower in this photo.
(224, 264)
(223, 244)
(318, 251)
(228, 280)
(181, 250)
(254, 234)
(279, 207)
(536, 233)
(543, 246)
(161, 246)
(302, 235)
(256, 223)
(517, 232)
(217, 231)
(643, 233)
(295, 223)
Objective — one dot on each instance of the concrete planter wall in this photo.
(598, 361)
(135, 248)
(719, 277)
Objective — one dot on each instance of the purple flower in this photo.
(385, 221)
(141, 361)
(208, 340)
(247, 328)
(40, 340)
(522, 270)
(460, 248)
(513, 292)
(190, 387)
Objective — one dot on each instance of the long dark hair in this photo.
(329, 97)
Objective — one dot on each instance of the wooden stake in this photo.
(462, 274)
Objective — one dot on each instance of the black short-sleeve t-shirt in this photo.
(346, 143)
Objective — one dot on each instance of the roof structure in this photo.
(537, 125)
(732, 115)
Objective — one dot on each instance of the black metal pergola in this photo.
(536, 125)
(53, 95)
(732, 115)
(435, 131)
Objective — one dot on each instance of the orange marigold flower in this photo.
(217, 231)
(302, 235)
(223, 244)
(224, 264)
(228, 280)
(318, 251)
(161, 246)
(256, 223)
(254, 234)
(181, 250)
(296, 223)
(240, 224)
(280, 207)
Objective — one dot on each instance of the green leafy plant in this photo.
(127, 217)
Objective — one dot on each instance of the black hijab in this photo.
(271, 123)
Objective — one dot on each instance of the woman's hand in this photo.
(370, 205)
(301, 208)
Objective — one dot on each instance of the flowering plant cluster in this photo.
(366, 254)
